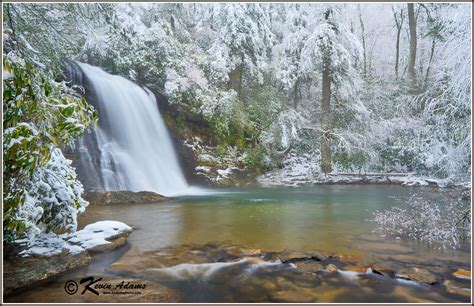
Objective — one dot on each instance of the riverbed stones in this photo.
(461, 273)
(419, 275)
(457, 288)
(331, 268)
(291, 296)
(242, 252)
(385, 269)
(357, 269)
(384, 248)
(123, 197)
(102, 236)
(352, 258)
(309, 266)
(293, 256)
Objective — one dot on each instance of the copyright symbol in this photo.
(70, 287)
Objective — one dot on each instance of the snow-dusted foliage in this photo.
(285, 132)
(243, 39)
(438, 224)
(53, 197)
(40, 189)
(447, 103)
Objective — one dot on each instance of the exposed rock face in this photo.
(23, 272)
(123, 197)
(102, 236)
(49, 255)
(202, 160)
(218, 166)
(419, 275)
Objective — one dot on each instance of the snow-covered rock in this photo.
(224, 172)
(204, 169)
(101, 236)
(43, 259)
(49, 245)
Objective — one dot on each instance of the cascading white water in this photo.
(136, 151)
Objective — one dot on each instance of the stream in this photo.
(168, 245)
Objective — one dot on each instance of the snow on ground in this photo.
(303, 170)
(93, 235)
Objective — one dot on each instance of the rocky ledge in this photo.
(123, 197)
(49, 255)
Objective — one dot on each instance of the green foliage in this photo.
(40, 115)
(255, 159)
(221, 150)
(394, 154)
(262, 106)
(350, 161)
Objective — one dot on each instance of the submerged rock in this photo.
(357, 269)
(293, 256)
(101, 236)
(123, 197)
(309, 266)
(418, 275)
(291, 296)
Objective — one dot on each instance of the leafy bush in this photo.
(255, 159)
(40, 189)
(350, 161)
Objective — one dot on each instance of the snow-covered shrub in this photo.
(53, 197)
(40, 190)
(285, 131)
(430, 221)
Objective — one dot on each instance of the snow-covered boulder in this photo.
(101, 236)
(43, 259)
(47, 245)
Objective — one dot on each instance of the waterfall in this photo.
(131, 148)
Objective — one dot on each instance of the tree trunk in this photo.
(326, 166)
(364, 49)
(295, 94)
(235, 80)
(412, 57)
(433, 46)
(398, 24)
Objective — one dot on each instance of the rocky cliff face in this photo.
(199, 153)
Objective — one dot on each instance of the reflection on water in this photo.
(329, 218)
